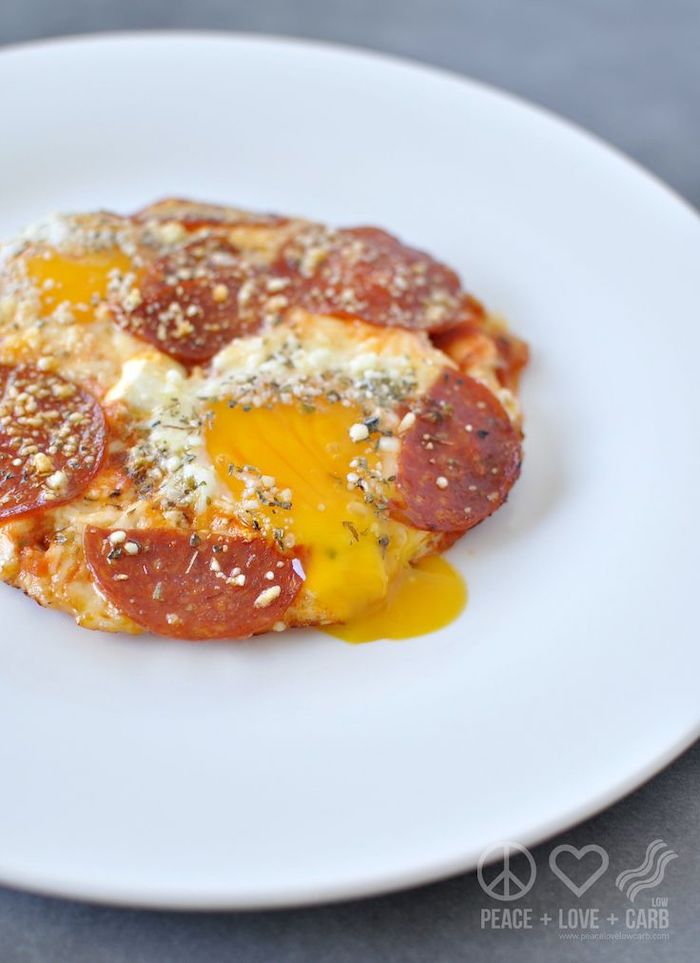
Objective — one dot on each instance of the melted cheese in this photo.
(307, 344)
(148, 381)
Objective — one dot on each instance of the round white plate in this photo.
(296, 768)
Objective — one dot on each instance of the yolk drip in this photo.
(355, 555)
(424, 597)
(82, 281)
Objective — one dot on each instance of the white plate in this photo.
(296, 769)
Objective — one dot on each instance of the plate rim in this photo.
(374, 885)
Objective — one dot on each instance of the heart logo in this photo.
(578, 854)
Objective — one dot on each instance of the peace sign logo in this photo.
(507, 884)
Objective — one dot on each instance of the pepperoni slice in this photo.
(52, 440)
(187, 302)
(363, 272)
(193, 586)
(460, 458)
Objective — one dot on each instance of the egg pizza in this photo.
(215, 424)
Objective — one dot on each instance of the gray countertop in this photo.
(628, 70)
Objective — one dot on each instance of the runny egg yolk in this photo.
(82, 281)
(356, 558)
(423, 597)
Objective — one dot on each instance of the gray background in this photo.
(630, 71)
